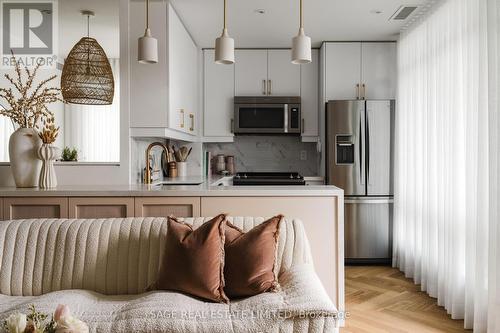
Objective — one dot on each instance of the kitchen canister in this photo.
(221, 163)
(230, 165)
(172, 170)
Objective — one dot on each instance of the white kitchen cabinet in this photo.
(218, 99)
(309, 89)
(183, 69)
(360, 70)
(379, 70)
(250, 72)
(266, 73)
(342, 70)
(283, 77)
(165, 102)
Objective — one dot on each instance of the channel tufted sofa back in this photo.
(109, 256)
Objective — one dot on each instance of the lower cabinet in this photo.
(29, 208)
(320, 218)
(165, 206)
(89, 208)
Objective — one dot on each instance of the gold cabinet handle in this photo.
(263, 87)
(357, 91)
(363, 95)
(303, 125)
(192, 122)
(182, 118)
(232, 125)
(269, 87)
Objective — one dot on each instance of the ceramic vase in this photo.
(48, 154)
(23, 146)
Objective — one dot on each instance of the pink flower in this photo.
(61, 312)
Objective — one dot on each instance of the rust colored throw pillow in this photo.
(193, 261)
(251, 259)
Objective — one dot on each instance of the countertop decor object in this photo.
(230, 165)
(172, 170)
(220, 163)
(301, 44)
(87, 77)
(48, 153)
(27, 107)
(224, 45)
(181, 156)
(147, 50)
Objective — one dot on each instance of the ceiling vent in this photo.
(403, 13)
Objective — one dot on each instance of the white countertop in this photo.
(172, 188)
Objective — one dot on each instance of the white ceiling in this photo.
(331, 20)
(104, 26)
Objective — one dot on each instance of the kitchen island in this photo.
(319, 207)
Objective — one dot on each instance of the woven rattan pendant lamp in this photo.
(87, 77)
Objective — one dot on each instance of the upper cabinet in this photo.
(379, 70)
(342, 70)
(165, 102)
(250, 73)
(364, 70)
(283, 77)
(183, 76)
(266, 73)
(218, 99)
(309, 93)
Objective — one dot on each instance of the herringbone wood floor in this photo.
(380, 300)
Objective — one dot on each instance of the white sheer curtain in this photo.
(493, 28)
(446, 186)
(95, 130)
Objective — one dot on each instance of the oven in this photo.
(267, 115)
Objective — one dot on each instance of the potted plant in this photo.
(27, 108)
(48, 153)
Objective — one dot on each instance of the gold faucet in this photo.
(147, 172)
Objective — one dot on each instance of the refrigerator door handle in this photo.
(367, 148)
(362, 147)
(285, 117)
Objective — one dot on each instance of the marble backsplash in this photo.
(270, 154)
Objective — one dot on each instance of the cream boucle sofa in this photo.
(101, 267)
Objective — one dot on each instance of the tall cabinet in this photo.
(174, 112)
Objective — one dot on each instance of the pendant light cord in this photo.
(225, 14)
(147, 14)
(88, 25)
(301, 16)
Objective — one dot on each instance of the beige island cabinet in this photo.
(319, 207)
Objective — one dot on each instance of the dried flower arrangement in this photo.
(28, 104)
(49, 132)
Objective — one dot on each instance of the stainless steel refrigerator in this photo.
(359, 157)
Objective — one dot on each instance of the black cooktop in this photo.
(268, 178)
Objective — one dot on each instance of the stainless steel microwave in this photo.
(267, 115)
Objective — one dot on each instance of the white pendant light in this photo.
(301, 44)
(224, 46)
(148, 46)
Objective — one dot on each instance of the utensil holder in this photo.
(182, 169)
